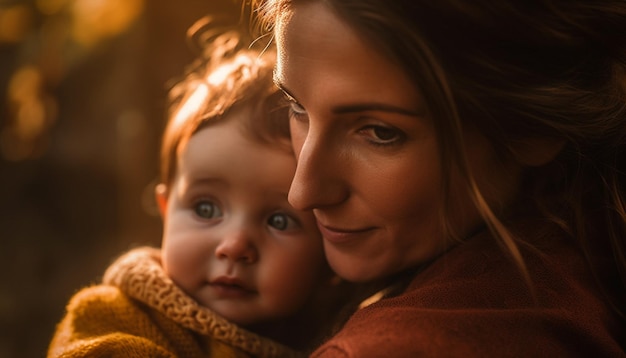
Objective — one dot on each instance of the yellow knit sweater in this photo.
(139, 312)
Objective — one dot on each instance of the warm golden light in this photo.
(51, 7)
(24, 84)
(95, 20)
(225, 70)
(192, 104)
(15, 23)
(32, 114)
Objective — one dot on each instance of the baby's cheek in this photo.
(181, 262)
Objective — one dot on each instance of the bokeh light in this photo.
(97, 20)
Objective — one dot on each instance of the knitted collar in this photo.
(139, 274)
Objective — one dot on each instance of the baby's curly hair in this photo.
(230, 73)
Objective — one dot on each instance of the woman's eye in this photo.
(295, 109)
(281, 222)
(382, 135)
(207, 210)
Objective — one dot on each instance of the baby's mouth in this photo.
(231, 287)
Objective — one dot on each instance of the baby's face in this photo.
(231, 240)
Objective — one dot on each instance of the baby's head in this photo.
(231, 240)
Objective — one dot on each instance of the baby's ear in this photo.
(535, 152)
(160, 193)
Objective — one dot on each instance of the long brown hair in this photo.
(515, 70)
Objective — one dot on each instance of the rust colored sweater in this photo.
(139, 312)
(472, 302)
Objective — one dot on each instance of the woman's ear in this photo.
(535, 152)
(160, 193)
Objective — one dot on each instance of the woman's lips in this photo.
(340, 236)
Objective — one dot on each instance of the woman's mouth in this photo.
(342, 236)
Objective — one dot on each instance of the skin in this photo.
(231, 239)
(368, 160)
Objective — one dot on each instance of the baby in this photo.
(240, 272)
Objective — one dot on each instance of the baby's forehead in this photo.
(234, 169)
(227, 143)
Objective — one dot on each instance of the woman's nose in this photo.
(318, 181)
(237, 245)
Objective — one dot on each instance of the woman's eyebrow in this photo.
(284, 89)
(374, 106)
(359, 107)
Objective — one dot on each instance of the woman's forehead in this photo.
(322, 59)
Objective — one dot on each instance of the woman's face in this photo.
(368, 159)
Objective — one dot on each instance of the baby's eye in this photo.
(207, 210)
(281, 222)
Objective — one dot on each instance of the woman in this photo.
(471, 155)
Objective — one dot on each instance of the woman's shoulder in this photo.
(473, 301)
(489, 276)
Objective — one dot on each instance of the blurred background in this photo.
(83, 87)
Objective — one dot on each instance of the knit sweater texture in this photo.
(137, 311)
